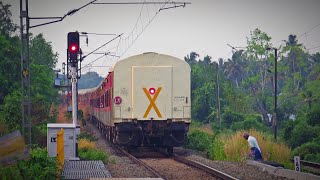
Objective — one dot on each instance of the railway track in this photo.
(122, 166)
(310, 164)
(136, 160)
(175, 166)
(204, 167)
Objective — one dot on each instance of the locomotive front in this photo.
(151, 100)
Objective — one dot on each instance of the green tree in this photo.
(41, 52)
(203, 87)
(234, 67)
(294, 70)
(192, 58)
(42, 92)
(9, 64)
(42, 61)
(257, 72)
(7, 27)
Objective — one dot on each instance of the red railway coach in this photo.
(143, 101)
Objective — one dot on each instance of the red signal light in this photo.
(73, 48)
(152, 91)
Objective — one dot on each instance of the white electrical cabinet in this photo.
(70, 139)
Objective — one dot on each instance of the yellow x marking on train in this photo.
(152, 102)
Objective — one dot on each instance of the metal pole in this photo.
(74, 94)
(218, 96)
(275, 92)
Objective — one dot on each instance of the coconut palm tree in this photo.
(234, 67)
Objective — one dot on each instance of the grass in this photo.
(89, 151)
(231, 146)
(93, 154)
(87, 136)
(86, 144)
(236, 147)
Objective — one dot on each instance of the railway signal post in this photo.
(73, 53)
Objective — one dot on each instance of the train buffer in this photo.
(84, 170)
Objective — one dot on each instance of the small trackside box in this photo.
(70, 137)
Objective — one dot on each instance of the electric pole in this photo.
(25, 72)
(275, 111)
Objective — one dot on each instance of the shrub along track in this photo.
(121, 166)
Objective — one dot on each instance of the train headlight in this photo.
(152, 91)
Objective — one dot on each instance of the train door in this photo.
(152, 92)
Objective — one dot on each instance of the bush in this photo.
(301, 133)
(10, 172)
(39, 135)
(87, 136)
(88, 151)
(199, 140)
(86, 144)
(40, 166)
(313, 116)
(93, 154)
(216, 150)
(309, 151)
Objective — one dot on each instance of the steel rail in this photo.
(310, 164)
(136, 160)
(203, 167)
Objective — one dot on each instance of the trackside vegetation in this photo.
(233, 147)
(236, 94)
(88, 149)
(39, 166)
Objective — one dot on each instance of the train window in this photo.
(108, 98)
(105, 98)
(102, 101)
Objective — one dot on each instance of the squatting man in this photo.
(255, 151)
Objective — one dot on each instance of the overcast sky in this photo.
(204, 26)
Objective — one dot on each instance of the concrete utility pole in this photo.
(25, 72)
(275, 92)
(218, 98)
(275, 111)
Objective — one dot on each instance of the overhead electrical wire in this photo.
(127, 42)
(315, 47)
(308, 31)
(143, 27)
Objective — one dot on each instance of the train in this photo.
(145, 100)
